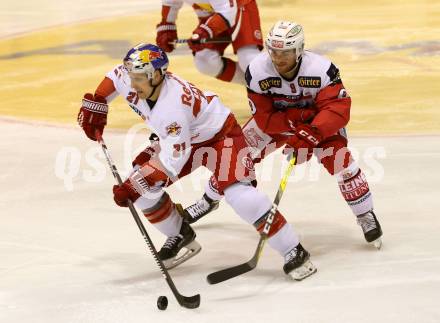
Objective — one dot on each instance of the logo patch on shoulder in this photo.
(266, 84)
(174, 129)
(333, 74)
(343, 94)
(248, 77)
(309, 81)
(257, 33)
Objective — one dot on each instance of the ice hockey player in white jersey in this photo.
(298, 101)
(194, 129)
(237, 20)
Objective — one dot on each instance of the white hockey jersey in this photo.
(317, 86)
(315, 73)
(227, 8)
(182, 116)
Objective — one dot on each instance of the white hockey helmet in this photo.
(286, 35)
(145, 59)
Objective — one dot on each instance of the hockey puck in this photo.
(162, 303)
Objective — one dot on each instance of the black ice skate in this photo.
(199, 209)
(179, 248)
(297, 263)
(371, 228)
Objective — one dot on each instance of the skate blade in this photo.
(377, 243)
(306, 270)
(186, 253)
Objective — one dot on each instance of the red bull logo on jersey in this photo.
(148, 56)
(174, 129)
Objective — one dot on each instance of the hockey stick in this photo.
(231, 272)
(220, 40)
(185, 301)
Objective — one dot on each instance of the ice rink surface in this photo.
(69, 254)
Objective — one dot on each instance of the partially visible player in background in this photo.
(194, 129)
(298, 101)
(237, 20)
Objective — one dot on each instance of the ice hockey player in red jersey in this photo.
(237, 20)
(194, 129)
(298, 101)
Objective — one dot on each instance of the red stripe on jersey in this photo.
(105, 88)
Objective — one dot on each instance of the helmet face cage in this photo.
(285, 35)
(145, 59)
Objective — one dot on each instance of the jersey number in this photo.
(133, 98)
(178, 149)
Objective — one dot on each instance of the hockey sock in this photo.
(355, 190)
(252, 206)
(161, 213)
(231, 72)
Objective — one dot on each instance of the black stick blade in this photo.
(189, 301)
(228, 273)
(231, 272)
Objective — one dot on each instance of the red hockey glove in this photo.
(302, 143)
(198, 34)
(123, 193)
(92, 115)
(215, 25)
(166, 36)
(149, 176)
(297, 117)
(148, 152)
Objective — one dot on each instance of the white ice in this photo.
(68, 254)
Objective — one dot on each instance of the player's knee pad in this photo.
(275, 221)
(334, 154)
(208, 62)
(260, 143)
(247, 201)
(160, 210)
(245, 55)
